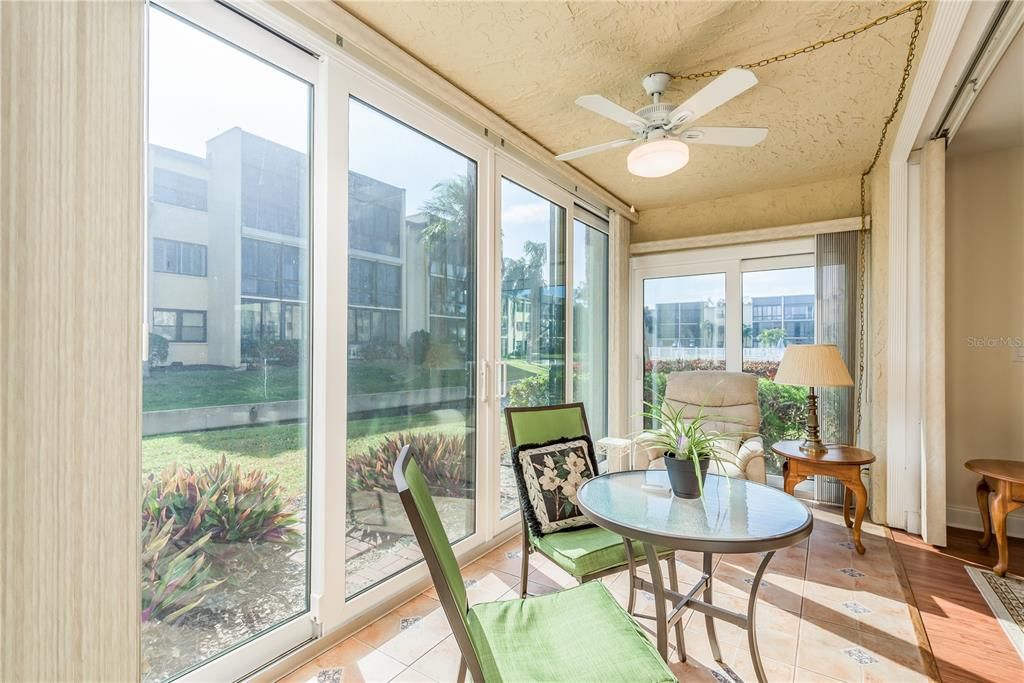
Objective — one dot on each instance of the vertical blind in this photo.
(836, 289)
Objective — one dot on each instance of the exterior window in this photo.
(272, 269)
(375, 215)
(183, 258)
(179, 189)
(372, 283)
(274, 186)
(180, 326)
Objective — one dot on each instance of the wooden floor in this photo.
(966, 640)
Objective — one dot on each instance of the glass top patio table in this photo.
(733, 516)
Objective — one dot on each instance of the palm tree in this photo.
(448, 210)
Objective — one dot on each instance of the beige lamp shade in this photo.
(813, 365)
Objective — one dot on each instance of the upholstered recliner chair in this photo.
(729, 395)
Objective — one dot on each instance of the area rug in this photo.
(1005, 597)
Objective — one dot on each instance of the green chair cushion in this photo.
(579, 634)
(589, 550)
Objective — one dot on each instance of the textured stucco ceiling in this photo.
(528, 61)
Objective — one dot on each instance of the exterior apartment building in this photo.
(701, 324)
(228, 239)
(228, 257)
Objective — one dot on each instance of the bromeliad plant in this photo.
(222, 503)
(441, 457)
(174, 581)
(684, 438)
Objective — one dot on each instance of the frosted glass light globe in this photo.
(658, 158)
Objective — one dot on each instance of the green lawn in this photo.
(277, 449)
(172, 389)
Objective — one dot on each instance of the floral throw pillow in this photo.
(549, 476)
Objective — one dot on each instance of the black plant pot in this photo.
(683, 478)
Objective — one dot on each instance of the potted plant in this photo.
(689, 446)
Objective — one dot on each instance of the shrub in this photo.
(174, 580)
(222, 502)
(441, 457)
(783, 411)
(532, 391)
(159, 347)
(419, 344)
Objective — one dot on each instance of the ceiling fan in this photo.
(664, 129)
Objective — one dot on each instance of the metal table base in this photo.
(666, 619)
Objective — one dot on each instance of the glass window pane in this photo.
(210, 106)
(684, 329)
(411, 200)
(778, 310)
(532, 311)
(590, 325)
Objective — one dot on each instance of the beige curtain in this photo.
(70, 339)
(933, 372)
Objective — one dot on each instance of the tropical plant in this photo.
(220, 501)
(684, 438)
(771, 337)
(174, 580)
(448, 210)
(441, 458)
(783, 411)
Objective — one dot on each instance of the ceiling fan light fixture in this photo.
(658, 158)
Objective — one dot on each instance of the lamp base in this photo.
(812, 444)
(813, 447)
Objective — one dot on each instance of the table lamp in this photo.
(813, 365)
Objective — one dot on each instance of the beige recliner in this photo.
(729, 395)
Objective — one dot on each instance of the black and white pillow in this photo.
(549, 475)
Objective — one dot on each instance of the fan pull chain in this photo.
(917, 6)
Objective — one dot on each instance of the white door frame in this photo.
(732, 261)
(903, 362)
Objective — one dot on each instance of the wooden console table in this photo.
(841, 462)
(1000, 492)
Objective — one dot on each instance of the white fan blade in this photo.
(608, 109)
(736, 137)
(713, 95)
(595, 148)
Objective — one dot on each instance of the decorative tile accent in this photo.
(856, 608)
(330, 675)
(859, 655)
(469, 583)
(848, 545)
(750, 581)
(851, 572)
(514, 554)
(408, 622)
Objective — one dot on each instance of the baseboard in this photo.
(970, 518)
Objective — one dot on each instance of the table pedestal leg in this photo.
(709, 621)
(659, 599)
(755, 655)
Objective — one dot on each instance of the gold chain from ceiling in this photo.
(918, 9)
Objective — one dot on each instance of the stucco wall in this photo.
(984, 289)
(821, 201)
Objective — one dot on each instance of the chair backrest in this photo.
(545, 423)
(730, 395)
(437, 553)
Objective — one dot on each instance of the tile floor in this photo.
(825, 614)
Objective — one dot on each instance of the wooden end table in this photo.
(841, 462)
(1000, 492)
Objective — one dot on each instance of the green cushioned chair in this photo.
(537, 639)
(586, 553)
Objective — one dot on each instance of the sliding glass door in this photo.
(224, 519)
(532, 313)
(412, 209)
(590, 320)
